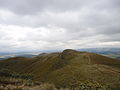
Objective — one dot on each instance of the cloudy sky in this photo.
(27, 25)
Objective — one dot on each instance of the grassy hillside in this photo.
(69, 68)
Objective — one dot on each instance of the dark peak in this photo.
(68, 54)
(68, 50)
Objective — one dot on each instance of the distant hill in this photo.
(102, 50)
(11, 55)
(67, 68)
(109, 52)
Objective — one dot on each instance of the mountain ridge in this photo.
(68, 66)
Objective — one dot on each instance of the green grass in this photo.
(64, 69)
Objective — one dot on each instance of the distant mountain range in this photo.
(10, 55)
(109, 52)
(102, 50)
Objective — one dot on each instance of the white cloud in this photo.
(39, 25)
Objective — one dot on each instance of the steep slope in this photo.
(68, 67)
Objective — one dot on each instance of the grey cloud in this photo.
(37, 23)
(31, 7)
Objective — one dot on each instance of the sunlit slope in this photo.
(68, 67)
